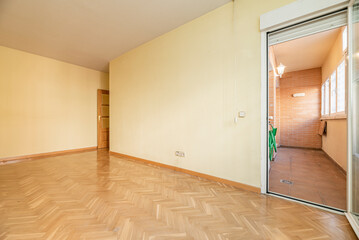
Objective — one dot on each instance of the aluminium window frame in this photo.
(336, 114)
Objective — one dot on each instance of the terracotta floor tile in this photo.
(314, 177)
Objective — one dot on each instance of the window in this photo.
(333, 92)
(326, 97)
(322, 100)
(334, 89)
(341, 87)
(345, 39)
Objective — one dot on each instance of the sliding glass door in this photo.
(304, 165)
(353, 213)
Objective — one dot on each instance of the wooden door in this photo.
(103, 120)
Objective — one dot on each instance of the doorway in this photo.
(103, 118)
(307, 112)
(295, 18)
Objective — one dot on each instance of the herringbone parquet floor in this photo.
(93, 195)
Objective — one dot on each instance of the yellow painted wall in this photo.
(335, 142)
(182, 91)
(46, 105)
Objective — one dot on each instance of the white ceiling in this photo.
(307, 52)
(90, 33)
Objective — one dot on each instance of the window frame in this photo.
(331, 102)
(345, 46)
(326, 96)
(345, 88)
(336, 114)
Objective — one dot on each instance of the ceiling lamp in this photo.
(280, 69)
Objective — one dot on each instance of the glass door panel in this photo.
(353, 213)
(355, 110)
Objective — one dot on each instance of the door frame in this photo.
(354, 221)
(296, 12)
(99, 101)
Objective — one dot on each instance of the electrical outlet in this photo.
(179, 154)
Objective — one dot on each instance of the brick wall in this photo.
(274, 103)
(300, 116)
(271, 94)
(277, 115)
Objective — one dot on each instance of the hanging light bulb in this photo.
(280, 69)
